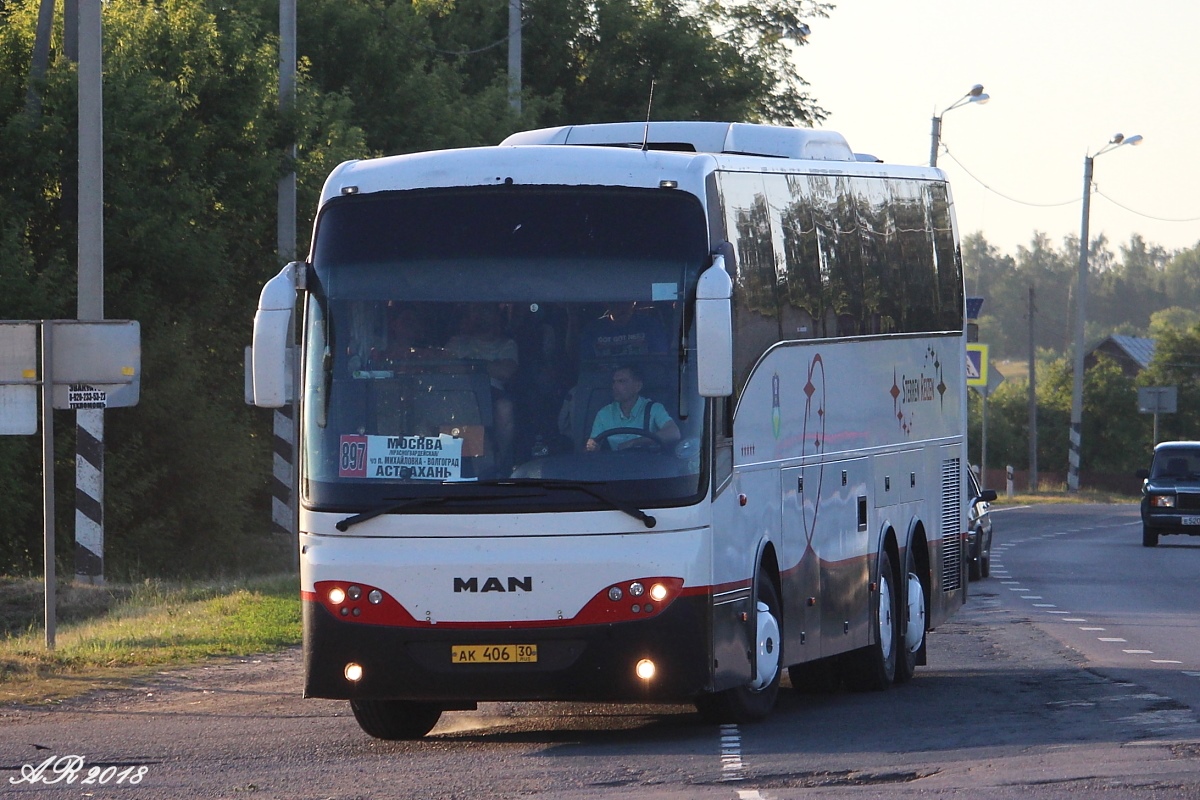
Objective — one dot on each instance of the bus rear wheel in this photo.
(395, 719)
(873, 668)
(912, 639)
(756, 699)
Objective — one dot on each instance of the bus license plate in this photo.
(1191, 520)
(493, 653)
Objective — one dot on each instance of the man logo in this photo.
(494, 584)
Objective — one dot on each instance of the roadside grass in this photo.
(1061, 495)
(113, 635)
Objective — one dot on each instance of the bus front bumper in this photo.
(585, 662)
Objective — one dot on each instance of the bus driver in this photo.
(630, 410)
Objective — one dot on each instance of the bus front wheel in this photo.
(395, 719)
(755, 700)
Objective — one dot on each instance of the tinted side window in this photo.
(832, 255)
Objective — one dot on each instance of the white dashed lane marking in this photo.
(732, 767)
(1001, 572)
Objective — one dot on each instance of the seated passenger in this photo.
(630, 410)
(406, 336)
(481, 336)
(623, 332)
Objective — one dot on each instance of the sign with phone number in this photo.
(437, 458)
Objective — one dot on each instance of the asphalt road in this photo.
(1023, 698)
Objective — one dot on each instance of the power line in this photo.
(1064, 203)
(1002, 194)
(1140, 214)
(485, 48)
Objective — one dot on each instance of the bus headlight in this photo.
(353, 672)
(658, 592)
(337, 595)
(645, 669)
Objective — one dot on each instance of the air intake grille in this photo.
(1187, 500)
(952, 542)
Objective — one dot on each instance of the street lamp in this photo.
(1080, 308)
(976, 96)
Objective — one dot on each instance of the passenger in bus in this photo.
(406, 335)
(623, 331)
(481, 336)
(630, 410)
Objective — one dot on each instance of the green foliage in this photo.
(1125, 291)
(194, 143)
(192, 154)
(1116, 438)
(1177, 363)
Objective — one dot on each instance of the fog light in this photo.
(353, 672)
(337, 595)
(375, 597)
(658, 592)
(645, 669)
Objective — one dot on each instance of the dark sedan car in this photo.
(1171, 492)
(979, 530)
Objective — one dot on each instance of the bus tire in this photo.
(873, 668)
(395, 719)
(912, 639)
(755, 700)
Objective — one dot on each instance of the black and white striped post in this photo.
(89, 495)
(283, 444)
(89, 465)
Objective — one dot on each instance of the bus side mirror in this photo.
(272, 324)
(714, 331)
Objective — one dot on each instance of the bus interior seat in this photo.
(427, 403)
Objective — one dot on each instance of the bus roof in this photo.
(735, 138)
(681, 154)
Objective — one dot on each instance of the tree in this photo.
(1177, 363)
(192, 144)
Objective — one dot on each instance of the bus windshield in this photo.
(460, 339)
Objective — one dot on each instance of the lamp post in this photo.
(976, 96)
(1081, 307)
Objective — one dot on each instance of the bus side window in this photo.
(722, 427)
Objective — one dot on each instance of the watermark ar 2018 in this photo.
(71, 769)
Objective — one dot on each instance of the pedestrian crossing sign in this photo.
(977, 365)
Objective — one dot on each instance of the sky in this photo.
(1063, 77)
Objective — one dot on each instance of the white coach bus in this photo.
(624, 412)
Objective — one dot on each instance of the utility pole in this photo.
(41, 58)
(1033, 431)
(284, 508)
(89, 443)
(514, 55)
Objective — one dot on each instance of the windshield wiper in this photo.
(587, 488)
(413, 502)
(388, 508)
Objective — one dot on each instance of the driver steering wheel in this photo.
(655, 439)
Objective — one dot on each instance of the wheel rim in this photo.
(887, 635)
(914, 633)
(768, 648)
